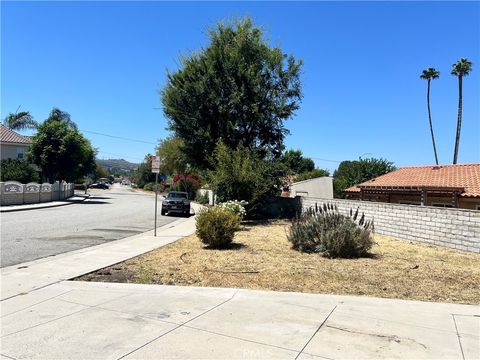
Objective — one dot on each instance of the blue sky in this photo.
(104, 63)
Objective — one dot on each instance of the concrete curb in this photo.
(47, 205)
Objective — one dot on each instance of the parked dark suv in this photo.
(176, 202)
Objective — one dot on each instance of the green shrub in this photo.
(18, 170)
(188, 183)
(216, 226)
(151, 187)
(243, 174)
(202, 198)
(325, 230)
(312, 175)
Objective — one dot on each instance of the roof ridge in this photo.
(440, 165)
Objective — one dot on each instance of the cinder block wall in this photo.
(453, 228)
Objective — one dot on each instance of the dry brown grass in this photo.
(262, 258)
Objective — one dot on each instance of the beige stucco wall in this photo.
(321, 187)
(9, 151)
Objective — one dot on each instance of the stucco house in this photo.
(434, 185)
(12, 144)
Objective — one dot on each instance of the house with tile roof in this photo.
(12, 144)
(435, 185)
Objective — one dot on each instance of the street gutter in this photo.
(12, 208)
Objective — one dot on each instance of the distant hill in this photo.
(118, 166)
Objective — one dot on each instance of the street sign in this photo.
(155, 164)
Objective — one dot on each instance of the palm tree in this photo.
(429, 75)
(20, 121)
(461, 68)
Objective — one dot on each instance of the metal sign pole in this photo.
(156, 196)
(156, 170)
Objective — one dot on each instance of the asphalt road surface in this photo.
(107, 215)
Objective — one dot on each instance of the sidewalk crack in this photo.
(179, 326)
(458, 336)
(8, 357)
(27, 307)
(315, 333)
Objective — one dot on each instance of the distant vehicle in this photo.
(176, 202)
(99, 186)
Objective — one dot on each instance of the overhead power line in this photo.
(120, 137)
(335, 161)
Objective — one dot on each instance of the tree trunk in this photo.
(459, 119)
(430, 121)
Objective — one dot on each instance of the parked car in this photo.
(99, 186)
(176, 202)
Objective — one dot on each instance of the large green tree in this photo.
(429, 75)
(353, 172)
(296, 163)
(238, 89)
(20, 121)
(460, 69)
(172, 157)
(61, 151)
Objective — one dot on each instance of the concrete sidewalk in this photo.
(81, 320)
(45, 316)
(71, 200)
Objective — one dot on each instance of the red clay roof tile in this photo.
(10, 136)
(463, 176)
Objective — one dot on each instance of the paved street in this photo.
(108, 215)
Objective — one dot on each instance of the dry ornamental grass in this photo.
(262, 258)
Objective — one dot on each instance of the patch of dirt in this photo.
(262, 258)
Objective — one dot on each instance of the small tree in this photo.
(241, 175)
(172, 157)
(143, 175)
(296, 163)
(100, 172)
(61, 152)
(354, 172)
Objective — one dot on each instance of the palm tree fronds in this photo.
(20, 121)
(462, 67)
